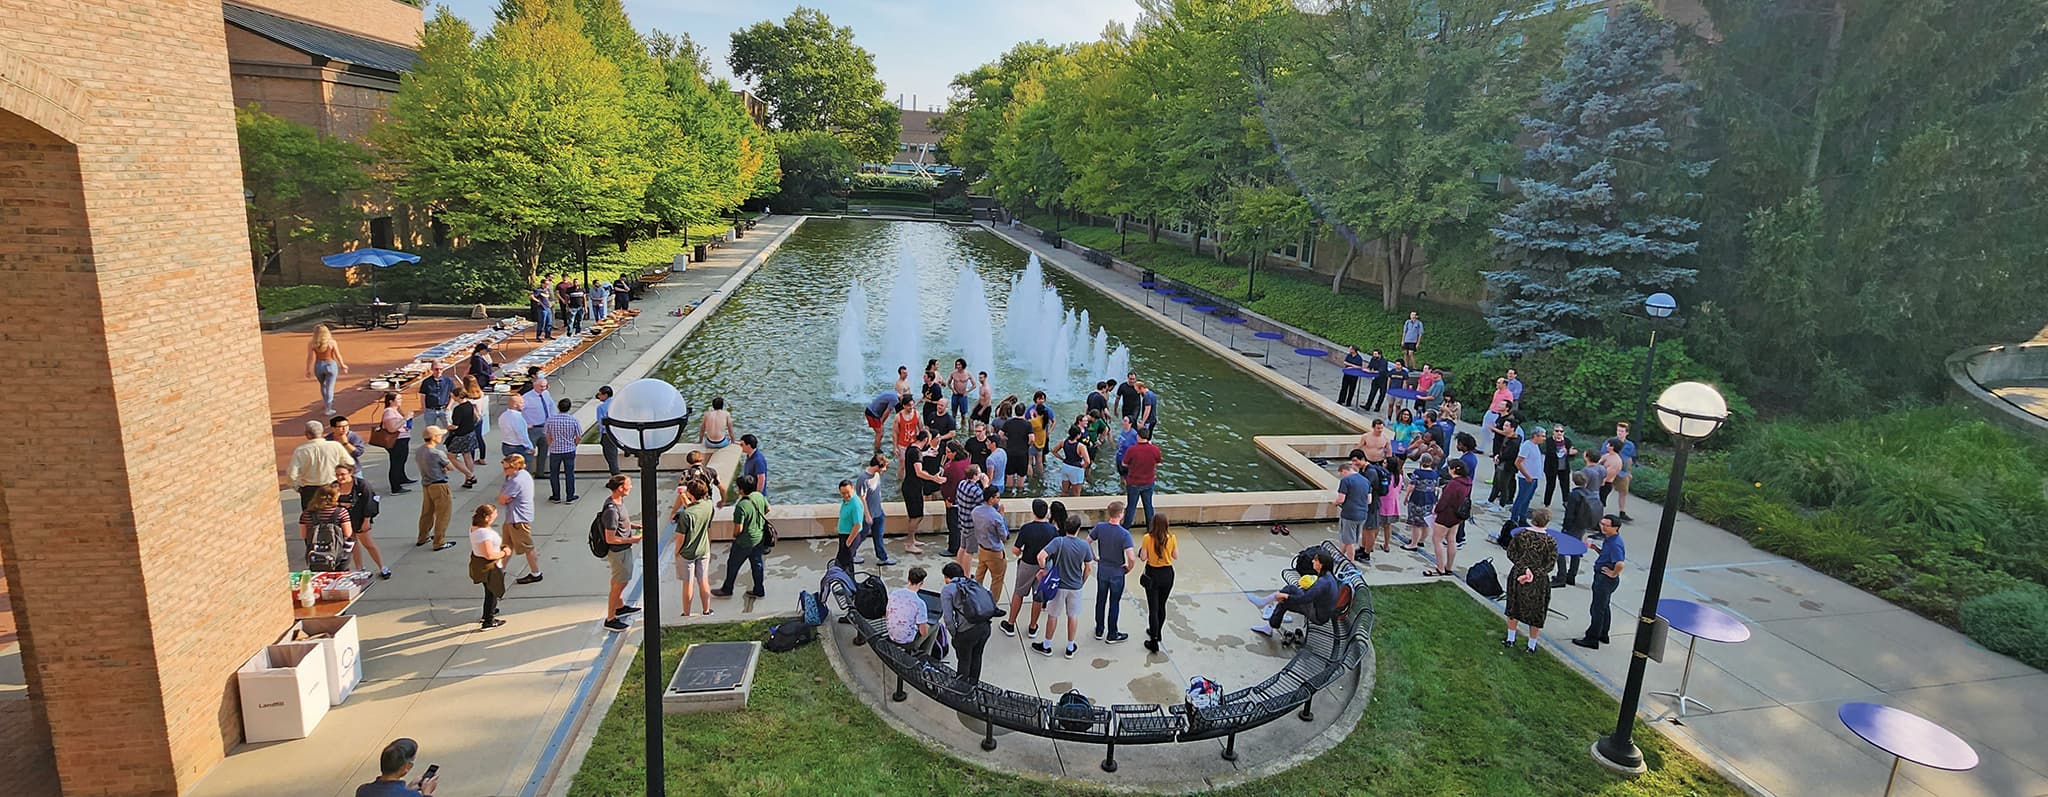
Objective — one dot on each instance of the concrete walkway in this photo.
(1817, 643)
(485, 705)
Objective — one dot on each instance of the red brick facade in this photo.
(138, 511)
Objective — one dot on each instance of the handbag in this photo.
(383, 439)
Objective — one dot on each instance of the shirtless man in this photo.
(903, 380)
(716, 429)
(961, 383)
(1377, 444)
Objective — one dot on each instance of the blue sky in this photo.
(919, 45)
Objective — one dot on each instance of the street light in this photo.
(1689, 411)
(1657, 307)
(647, 418)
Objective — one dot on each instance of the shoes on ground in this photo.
(1116, 637)
(726, 593)
(1009, 628)
(757, 594)
(1587, 643)
(384, 574)
(450, 544)
(1043, 648)
(1152, 645)
(491, 623)
(1071, 647)
(529, 578)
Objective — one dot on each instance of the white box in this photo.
(341, 648)
(284, 692)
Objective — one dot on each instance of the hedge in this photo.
(287, 298)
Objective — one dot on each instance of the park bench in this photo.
(1326, 652)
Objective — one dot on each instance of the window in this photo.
(380, 233)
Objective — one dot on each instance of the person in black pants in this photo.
(1349, 390)
(1557, 461)
(969, 638)
(1157, 551)
(1378, 394)
(1606, 578)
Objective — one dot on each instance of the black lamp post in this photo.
(1657, 307)
(1689, 411)
(647, 418)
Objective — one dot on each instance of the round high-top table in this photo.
(1567, 545)
(1698, 621)
(1308, 379)
(1908, 737)
(1165, 292)
(1147, 287)
(1401, 394)
(1205, 310)
(1181, 315)
(1268, 337)
(1233, 322)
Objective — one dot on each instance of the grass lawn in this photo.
(293, 297)
(1451, 714)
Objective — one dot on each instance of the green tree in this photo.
(1387, 114)
(814, 77)
(1257, 219)
(296, 179)
(525, 132)
(814, 164)
(1606, 186)
(974, 117)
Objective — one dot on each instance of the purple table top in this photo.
(1405, 393)
(1230, 320)
(1165, 290)
(1184, 299)
(1148, 285)
(1308, 352)
(1205, 308)
(1567, 545)
(1268, 335)
(1357, 372)
(1701, 620)
(1908, 736)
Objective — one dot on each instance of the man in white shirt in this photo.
(539, 405)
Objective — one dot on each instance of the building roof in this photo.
(326, 43)
(917, 127)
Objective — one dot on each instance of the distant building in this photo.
(757, 108)
(332, 65)
(917, 148)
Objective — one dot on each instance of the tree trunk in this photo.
(1216, 245)
(526, 248)
(1831, 58)
(1400, 262)
(1343, 268)
(1152, 230)
(1195, 240)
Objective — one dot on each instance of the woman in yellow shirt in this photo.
(1157, 551)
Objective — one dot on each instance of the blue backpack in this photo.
(813, 607)
(1048, 583)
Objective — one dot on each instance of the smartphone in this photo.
(432, 770)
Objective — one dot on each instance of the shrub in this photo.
(287, 298)
(477, 273)
(906, 183)
(952, 204)
(2013, 622)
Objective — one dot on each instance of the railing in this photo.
(1326, 651)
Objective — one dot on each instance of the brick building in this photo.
(139, 520)
(332, 65)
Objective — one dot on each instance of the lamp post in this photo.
(1657, 307)
(647, 418)
(1689, 411)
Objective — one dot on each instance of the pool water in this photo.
(771, 350)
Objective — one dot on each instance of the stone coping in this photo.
(1979, 369)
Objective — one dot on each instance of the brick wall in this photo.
(140, 516)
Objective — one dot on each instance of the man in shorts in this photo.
(1411, 337)
(620, 534)
(1029, 541)
(878, 410)
(517, 498)
(1072, 555)
(1354, 497)
(1626, 450)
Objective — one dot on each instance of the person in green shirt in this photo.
(850, 518)
(693, 545)
(750, 528)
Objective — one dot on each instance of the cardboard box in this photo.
(284, 692)
(340, 647)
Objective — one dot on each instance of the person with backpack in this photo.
(1069, 557)
(1421, 496)
(1354, 501)
(1030, 540)
(1118, 554)
(1313, 596)
(1453, 508)
(1388, 495)
(966, 608)
(693, 545)
(363, 505)
(1158, 553)
(324, 525)
(1582, 511)
(617, 534)
(750, 532)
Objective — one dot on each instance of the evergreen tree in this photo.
(1604, 190)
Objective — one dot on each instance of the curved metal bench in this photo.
(1327, 651)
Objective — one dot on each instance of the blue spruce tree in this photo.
(1601, 218)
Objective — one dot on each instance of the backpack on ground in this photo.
(974, 603)
(788, 636)
(871, 599)
(1048, 584)
(598, 547)
(1074, 711)
(1204, 693)
(325, 549)
(1482, 578)
(813, 607)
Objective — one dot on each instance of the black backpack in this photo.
(785, 637)
(326, 550)
(1074, 712)
(871, 599)
(1464, 509)
(598, 547)
(974, 603)
(1482, 579)
(1382, 480)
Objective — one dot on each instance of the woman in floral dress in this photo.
(1531, 554)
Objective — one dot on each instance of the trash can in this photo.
(340, 646)
(681, 263)
(702, 251)
(284, 692)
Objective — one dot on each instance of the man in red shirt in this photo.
(1140, 470)
(954, 471)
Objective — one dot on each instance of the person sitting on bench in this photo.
(908, 619)
(1314, 597)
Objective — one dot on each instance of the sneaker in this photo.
(1098, 633)
(625, 610)
(554, 500)
(1558, 583)
(884, 562)
(400, 491)
(1071, 647)
(724, 593)
(1117, 637)
(529, 578)
(1587, 643)
(615, 624)
(1031, 632)
(1361, 555)
(1507, 643)
(860, 560)
(420, 543)
(572, 499)
(1043, 648)
(384, 574)
(490, 624)
(445, 546)
(1623, 517)
(757, 594)
(1263, 630)
(1152, 645)
(1009, 628)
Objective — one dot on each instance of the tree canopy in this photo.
(814, 77)
(297, 180)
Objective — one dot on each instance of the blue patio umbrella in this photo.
(381, 258)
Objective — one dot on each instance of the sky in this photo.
(919, 45)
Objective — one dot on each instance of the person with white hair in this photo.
(313, 462)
